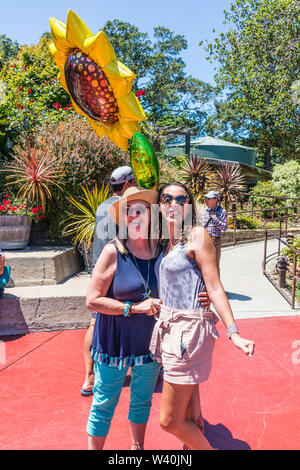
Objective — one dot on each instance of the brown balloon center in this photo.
(90, 88)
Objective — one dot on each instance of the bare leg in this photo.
(193, 411)
(174, 403)
(96, 443)
(138, 435)
(88, 361)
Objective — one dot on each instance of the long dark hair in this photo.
(191, 202)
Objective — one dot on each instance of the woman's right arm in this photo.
(103, 274)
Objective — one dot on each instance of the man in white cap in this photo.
(121, 179)
(214, 219)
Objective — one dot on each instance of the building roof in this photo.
(210, 147)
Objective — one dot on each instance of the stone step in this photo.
(45, 308)
(41, 266)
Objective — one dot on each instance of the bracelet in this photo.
(127, 309)
(232, 329)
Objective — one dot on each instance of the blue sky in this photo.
(25, 21)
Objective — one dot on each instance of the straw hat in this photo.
(131, 194)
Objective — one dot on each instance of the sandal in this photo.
(136, 446)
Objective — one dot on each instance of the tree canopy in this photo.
(171, 97)
(258, 63)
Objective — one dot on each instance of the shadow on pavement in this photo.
(234, 296)
(221, 438)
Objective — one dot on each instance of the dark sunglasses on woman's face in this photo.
(135, 210)
(181, 200)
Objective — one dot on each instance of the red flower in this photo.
(66, 108)
(13, 66)
(19, 88)
(70, 105)
(140, 93)
(6, 195)
(56, 105)
(42, 216)
(29, 91)
(20, 106)
(31, 101)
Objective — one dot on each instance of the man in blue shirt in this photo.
(105, 230)
(214, 219)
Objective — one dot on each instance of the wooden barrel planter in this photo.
(14, 231)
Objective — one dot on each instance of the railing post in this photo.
(282, 266)
(265, 250)
(233, 209)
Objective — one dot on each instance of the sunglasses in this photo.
(135, 210)
(180, 200)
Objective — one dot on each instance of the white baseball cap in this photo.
(121, 175)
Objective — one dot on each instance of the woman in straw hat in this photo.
(124, 289)
(184, 334)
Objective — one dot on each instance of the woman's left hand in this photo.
(245, 345)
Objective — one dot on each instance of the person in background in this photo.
(214, 220)
(121, 179)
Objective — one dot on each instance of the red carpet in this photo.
(248, 403)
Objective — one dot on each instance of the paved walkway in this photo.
(250, 293)
(248, 403)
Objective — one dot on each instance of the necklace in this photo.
(146, 285)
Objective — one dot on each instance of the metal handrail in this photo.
(252, 211)
(296, 252)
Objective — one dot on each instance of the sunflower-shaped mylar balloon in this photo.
(99, 85)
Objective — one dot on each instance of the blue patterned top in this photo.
(217, 226)
(118, 340)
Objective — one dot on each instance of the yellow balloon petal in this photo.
(119, 139)
(77, 31)
(97, 127)
(99, 49)
(130, 108)
(62, 81)
(120, 78)
(128, 128)
(58, 56)
(58, 31)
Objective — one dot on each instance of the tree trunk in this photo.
(268, 159)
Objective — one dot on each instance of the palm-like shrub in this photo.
(34, 172)
(197, 174)
(82, 225)
(230, 184)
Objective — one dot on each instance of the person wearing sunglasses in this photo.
(185, 332)
(123, 290)
(121, 179)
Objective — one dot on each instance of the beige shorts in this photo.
(184, 341)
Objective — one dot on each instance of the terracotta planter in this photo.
(14, 231)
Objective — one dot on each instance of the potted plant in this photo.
(34, 172)
(16, 217)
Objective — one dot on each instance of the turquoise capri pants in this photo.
(107, 390)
